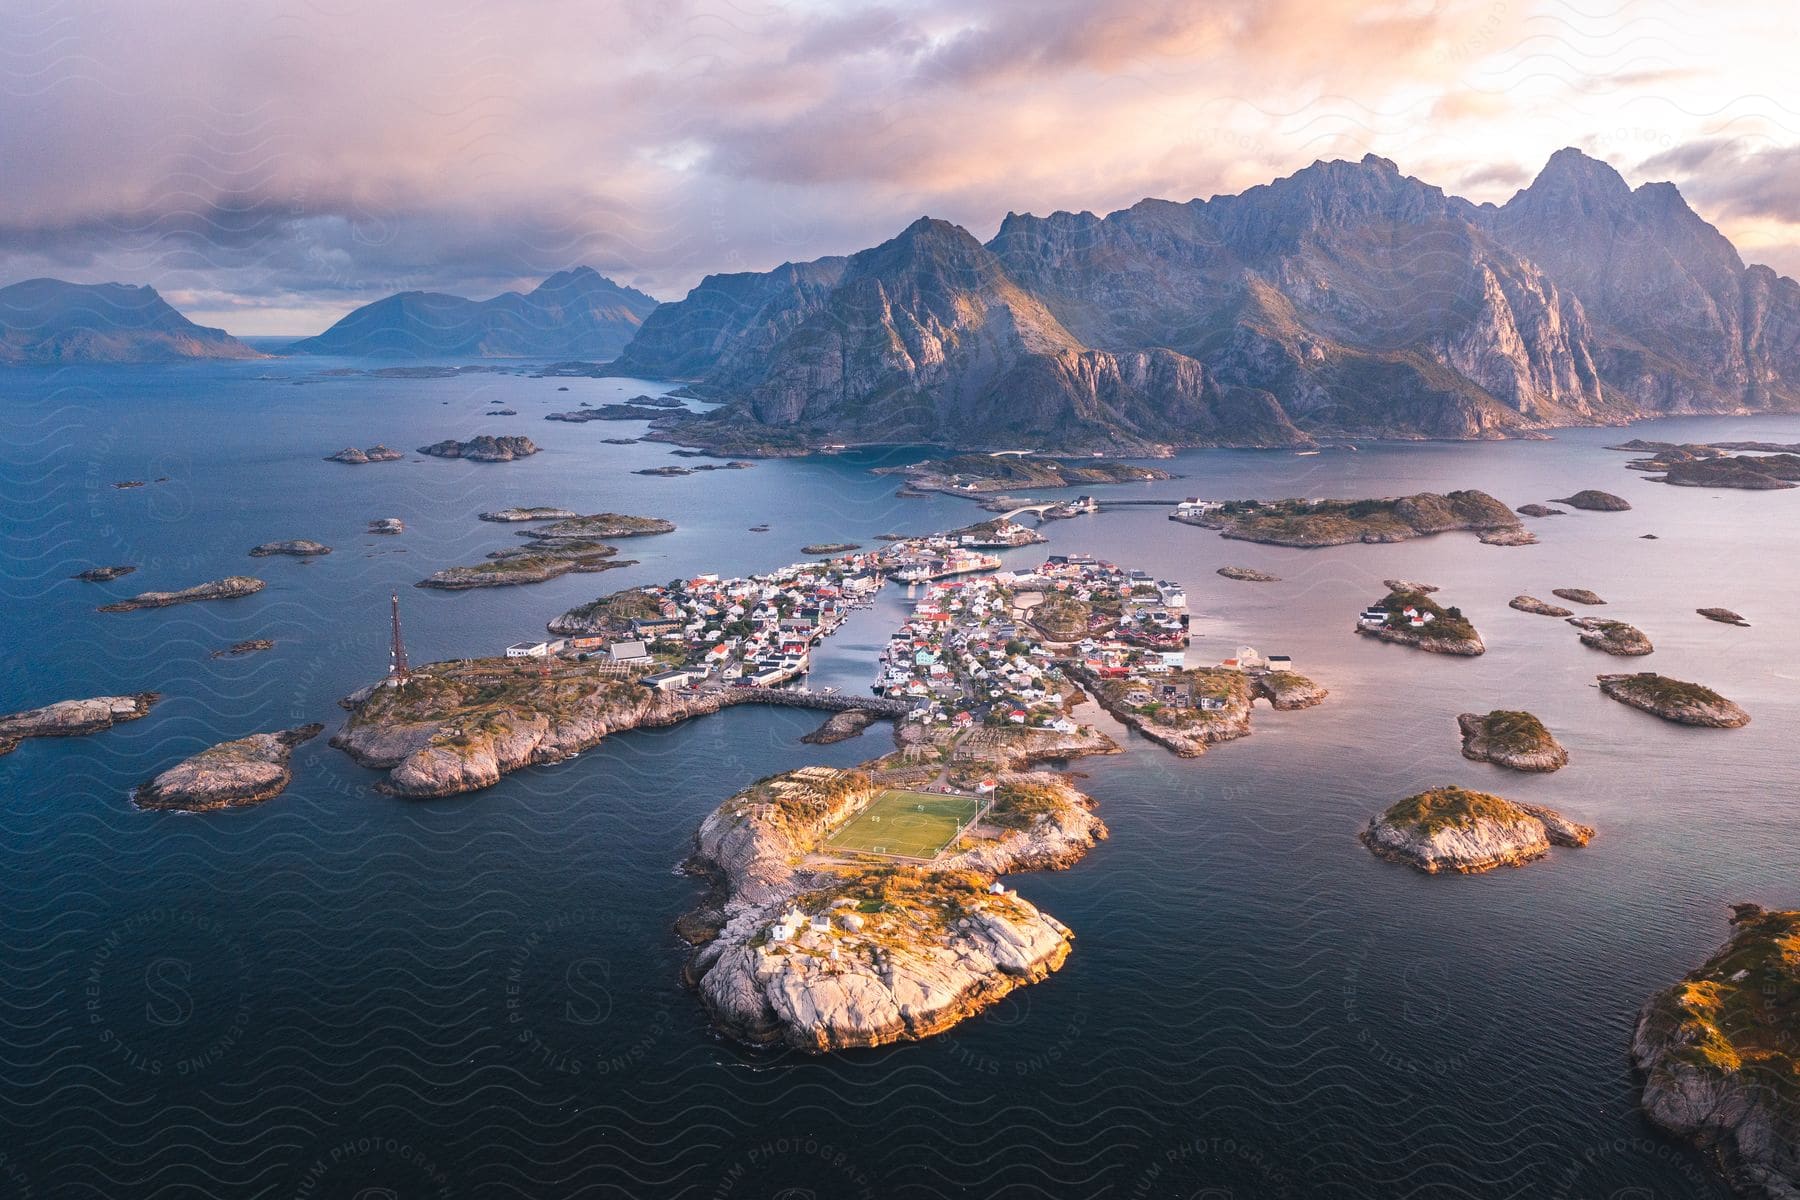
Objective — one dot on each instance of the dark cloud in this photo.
(317, 155)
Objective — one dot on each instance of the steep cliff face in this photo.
(1344, 299)
(1682, 325)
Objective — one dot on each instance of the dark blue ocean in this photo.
(343, 994)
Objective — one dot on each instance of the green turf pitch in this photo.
(910, 824)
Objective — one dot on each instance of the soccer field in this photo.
(909, 824)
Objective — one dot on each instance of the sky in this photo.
(270, 165)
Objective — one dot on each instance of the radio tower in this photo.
(397, 669)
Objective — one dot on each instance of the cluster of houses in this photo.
(964, 659)
(758, 630)
(1375, 616)
(964, 656)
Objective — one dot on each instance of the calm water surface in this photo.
(480, 996)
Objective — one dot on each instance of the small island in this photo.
(229, 588)
(598, 525)
(1456, 829)
(1543, 608)
(1594, 500)
(1411, 618)
(1577, 595)
(103, 574)
(815, 936)
(387, 525)
(1707, 466)
(981, 475)
(1248, 575)
(518, 565)
(1539, 510)
(1510, 738)
(1723, 616)
(1719, 1054)
(233, 774)
(374, 454)
(296, 548)
(1309, 524)
(830, 548)
(1674, 700)
(611, 412)
(538, 513)
(72, 718)
(486, 448)
(1612, 637)
(248, 646)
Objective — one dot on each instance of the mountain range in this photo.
(48, 321)
(572, 314)
(1343, 300)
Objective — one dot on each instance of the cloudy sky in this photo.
(269, 165)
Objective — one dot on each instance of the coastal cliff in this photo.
(825, 952)
(1717, 1054)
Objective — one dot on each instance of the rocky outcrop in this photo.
(1717, 1054)
(1539, 510)
(387, 525)
(103, 574)
(1577, 595)
(540, 513)
(841, 727)
(821, 955)
(297, 548)
(483, 448)
(1613, 637)
(229, 588)
(1542, 608)
(374, 454)
(1722, 615)
(248, 646)
(1510, 738)
(1674, 700)
(1287, 690)
(1455, 829)
(72, 718)
(1249, 575)
(1593, 500)
(233, 774)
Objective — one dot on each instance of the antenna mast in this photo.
(397, 668)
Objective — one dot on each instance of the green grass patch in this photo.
(905, 823)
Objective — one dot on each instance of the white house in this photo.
(628, 652)
(528, 650)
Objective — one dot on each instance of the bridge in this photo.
(1099, 502)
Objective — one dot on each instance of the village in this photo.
(760, 630)
(984, 648)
